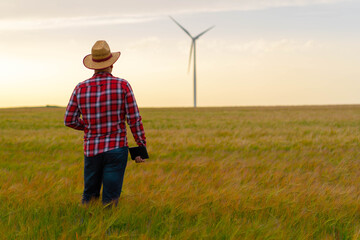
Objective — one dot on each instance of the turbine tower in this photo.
(193, 49)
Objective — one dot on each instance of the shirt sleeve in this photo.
(133, 117)
(72, 115)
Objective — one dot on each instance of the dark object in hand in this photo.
(138, 151)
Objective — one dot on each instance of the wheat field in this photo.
(213, 173)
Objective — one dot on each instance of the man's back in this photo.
(104, 102)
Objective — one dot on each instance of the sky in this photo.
(260, 52)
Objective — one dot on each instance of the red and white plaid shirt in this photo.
(99, 107)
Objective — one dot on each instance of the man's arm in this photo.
(133, 117)
(72, 115)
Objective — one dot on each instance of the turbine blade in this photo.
(204, 32)
(191, 50)
(181, 27)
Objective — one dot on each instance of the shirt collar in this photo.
(102, 74)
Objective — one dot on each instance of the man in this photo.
(99, 107)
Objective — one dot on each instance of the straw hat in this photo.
(101, 57)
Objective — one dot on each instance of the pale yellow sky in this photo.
(270, 55)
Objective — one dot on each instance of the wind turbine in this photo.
(193, 47)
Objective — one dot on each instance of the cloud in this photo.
(51, 23)
(69, 8)
(148, 42)
(260, 46)
(44, 14)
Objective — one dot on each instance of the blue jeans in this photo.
(108, 169)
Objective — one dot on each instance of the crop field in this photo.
(213, 173)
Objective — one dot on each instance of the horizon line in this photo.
(225, 106)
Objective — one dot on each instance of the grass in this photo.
(214, 173)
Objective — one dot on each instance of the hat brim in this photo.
(89, 63)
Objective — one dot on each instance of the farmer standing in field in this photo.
(99, 106)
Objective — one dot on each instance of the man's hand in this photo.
(138, 159)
